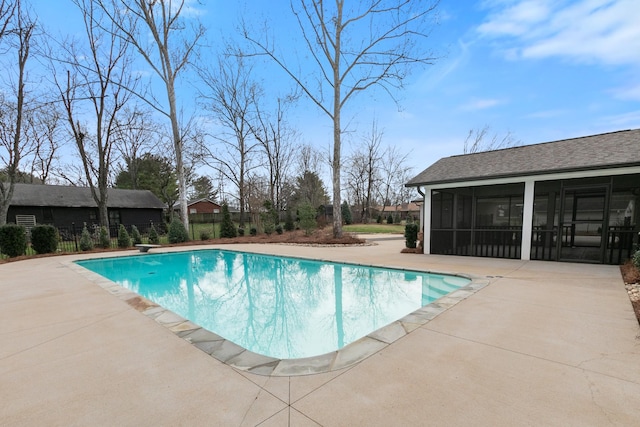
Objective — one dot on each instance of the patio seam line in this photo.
(65, 334)
(538, 357)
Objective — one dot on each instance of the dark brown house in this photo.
(64, 206)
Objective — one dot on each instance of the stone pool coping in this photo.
(245, 360)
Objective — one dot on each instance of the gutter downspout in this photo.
(424, 235)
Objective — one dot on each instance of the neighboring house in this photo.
(203, 206)
(403, 210)
(570, 200)
(64, 206)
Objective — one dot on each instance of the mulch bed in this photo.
(631, 277)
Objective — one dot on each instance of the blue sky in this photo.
(542, 70)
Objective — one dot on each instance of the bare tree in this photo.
(229, 96)
(364, 172)
(309, 159)
(97, 75)
(44, 128)
(394, 172)
(354, 46)
(135, 134)
(19, 24)
(161, 36)
(482, 140)
(275, 138)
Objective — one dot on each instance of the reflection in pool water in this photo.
(279, 307)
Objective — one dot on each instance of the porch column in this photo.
(426, 220)
(527, 219)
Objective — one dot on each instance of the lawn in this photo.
(374, 228)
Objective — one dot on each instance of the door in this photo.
(583, 224)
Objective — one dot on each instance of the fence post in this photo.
(75, 236)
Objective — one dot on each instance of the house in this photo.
(402, 210)
(571, 200)
(64, 206)
(202, 206)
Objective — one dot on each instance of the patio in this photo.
(545, 343)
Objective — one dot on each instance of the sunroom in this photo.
(571, 200)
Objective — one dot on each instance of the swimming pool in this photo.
(280, 307)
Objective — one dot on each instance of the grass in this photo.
(374, 228)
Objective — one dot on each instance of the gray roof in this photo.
(608, 150)
(64, 196)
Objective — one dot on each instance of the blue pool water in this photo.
(280, 307)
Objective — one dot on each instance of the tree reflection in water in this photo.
(280, 307)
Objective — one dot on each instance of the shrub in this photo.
(347, 218)
(253, 231)
(135, 235)
(636, 259)
(86, 242)
(240, 231)
(390, 219)
(13, 240)
(227, 229)
(204, 235)
(269, 218)
(154, 239)
(307, 218)
(379, 220)
(279, 229)
(104, 240)
(288, 221)
(177, 233)
(44, 239)
(411, 235)
(124, 241)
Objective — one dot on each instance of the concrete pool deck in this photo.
(543, 343)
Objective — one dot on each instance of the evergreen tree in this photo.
(177, 232)
(124, 241)
(227, 228)
(346, 213)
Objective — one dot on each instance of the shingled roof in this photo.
(608, 150)
(79, 197)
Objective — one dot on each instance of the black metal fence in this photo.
(70, 236)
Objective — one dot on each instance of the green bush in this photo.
(240, 231)
(347, 218)
(177, 233)
(104, 240)
(411, 235)
(269, 218)
(204, 235)
(390, 219)
(135, 235)
(379, 219)
(307, 215)
(288, 221)
(227, 228)
(13, 240)
(124, 241)
(636, 259)
(279, 229)
(86, 242)
(253, 231)
(154, 239)
(44, 239)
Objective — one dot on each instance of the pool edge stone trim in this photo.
(239, 358)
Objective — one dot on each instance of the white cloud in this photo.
(591, 31)
(631, 92)
(481, 104)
